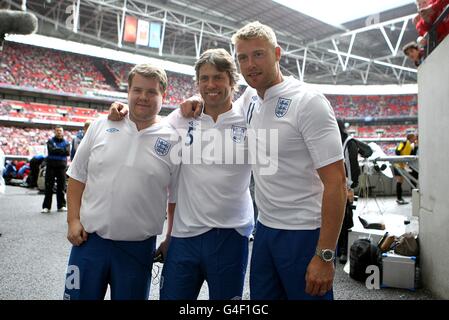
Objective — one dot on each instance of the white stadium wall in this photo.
(433, 119)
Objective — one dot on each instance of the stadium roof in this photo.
(364, 51)
(338, 12)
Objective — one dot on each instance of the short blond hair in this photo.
(147, 70)
(255, 30)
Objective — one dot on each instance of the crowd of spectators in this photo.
(40, 68)
(383, 131)
(17, 141)
(119, 70)
(41, 111)
(347, 107)
(38, 111)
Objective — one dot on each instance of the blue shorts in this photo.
(124, 265)
(219, 256)
(279, 262)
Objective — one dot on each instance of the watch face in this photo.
(328, 255)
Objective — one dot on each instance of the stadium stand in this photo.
(19, 141)
(38, 68)
(374, 106)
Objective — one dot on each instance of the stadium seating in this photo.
(19, 141)
(348, 107)
(39, 68)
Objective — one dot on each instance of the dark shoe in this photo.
(401, 201)
(343, 259)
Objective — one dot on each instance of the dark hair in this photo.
(221, 60)
(410, 45)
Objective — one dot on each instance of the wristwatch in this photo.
(327, 255)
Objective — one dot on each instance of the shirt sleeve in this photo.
(175, 162)
(79, 165)
(172, 118)
(173, 187)
(319, 128)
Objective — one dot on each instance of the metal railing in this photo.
(432, 35)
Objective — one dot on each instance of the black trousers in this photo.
(34, 172)
(53, 173)
(342, 245)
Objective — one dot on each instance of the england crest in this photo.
(238, 134)
(162, 147)
(282, 107)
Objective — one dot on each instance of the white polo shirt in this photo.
(290, 197)
(127, 174)
(213, 189)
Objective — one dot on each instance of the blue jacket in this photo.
(76, 142)
(58, 150)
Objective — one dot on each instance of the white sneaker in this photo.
(45, 210)
(63, 209)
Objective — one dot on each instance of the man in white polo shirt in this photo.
(301, 204)
(214, 212)
(117, 195)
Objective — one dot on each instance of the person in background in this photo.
(58, 150)
(413, 52)
(429, 11)
(352, 168)
(404, 148)
(35, 164)
(77, 139)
